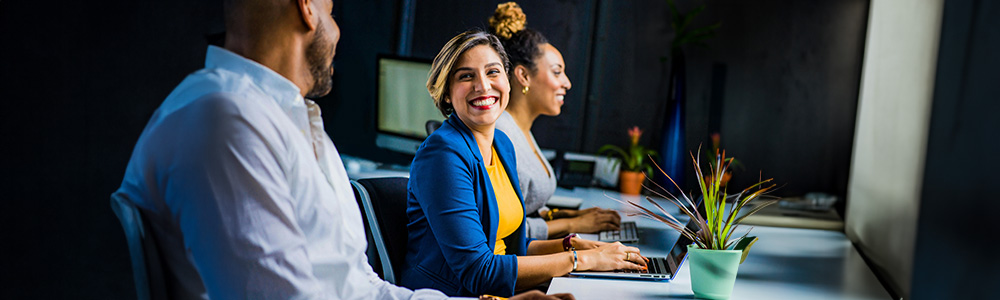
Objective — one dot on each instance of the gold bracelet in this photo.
(491, 297)
(552, 211)
(548, 215)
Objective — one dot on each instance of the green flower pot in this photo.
(713, 272)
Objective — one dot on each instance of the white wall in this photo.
(891, 135)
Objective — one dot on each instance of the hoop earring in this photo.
(524, 90)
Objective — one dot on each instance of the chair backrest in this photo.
(383, 202)
(147, 268)
(376, 248)
(431, 126)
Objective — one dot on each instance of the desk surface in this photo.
(786, 263)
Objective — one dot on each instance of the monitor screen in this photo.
(403, 106)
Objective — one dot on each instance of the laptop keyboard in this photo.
(655, 265)
(627, 234)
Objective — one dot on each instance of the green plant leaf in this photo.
(612, 149)
(744, 245)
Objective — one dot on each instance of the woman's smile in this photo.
(484, 102)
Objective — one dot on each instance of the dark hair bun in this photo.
(507, 20)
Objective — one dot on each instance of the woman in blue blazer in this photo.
(452, 207)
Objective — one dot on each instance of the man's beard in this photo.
(316, 54)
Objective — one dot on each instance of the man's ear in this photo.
(308, 13)
(521, 75)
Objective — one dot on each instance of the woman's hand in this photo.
(582, 244)
(594, 220)
(611, 256)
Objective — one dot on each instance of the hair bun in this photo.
(507, 20)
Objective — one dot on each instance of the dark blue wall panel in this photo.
(955, 255)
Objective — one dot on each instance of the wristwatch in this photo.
(567, 244)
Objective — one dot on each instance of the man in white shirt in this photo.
(245, 193)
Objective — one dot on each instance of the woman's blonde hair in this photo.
(444, 62)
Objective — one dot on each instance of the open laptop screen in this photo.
(679, 251)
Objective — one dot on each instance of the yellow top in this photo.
(509, 205)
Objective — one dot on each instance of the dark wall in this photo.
(784, 76)
(367, 29)
(790, 89)
(955, 230)
(79, 80)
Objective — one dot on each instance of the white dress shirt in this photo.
(246, 194)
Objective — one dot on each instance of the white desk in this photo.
(786, 263)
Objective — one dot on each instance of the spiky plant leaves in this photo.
(716, 226)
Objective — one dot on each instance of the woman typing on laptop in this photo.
(466, 216)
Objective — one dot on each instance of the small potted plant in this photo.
(716, 251)
(635, 165)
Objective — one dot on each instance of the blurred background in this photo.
(805, 92)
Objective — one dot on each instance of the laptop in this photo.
(659, 268)
(627, 234)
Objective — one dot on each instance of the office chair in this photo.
(383, 202)
(432, 125)
(147, 268)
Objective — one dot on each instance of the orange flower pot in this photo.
(630, 182)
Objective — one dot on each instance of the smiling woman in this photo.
(465, 210)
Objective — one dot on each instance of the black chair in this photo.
(431, 126)
(383, 204)
(147, 269)
(374, 253)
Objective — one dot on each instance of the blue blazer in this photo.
(453, 217)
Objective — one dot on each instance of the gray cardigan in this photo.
(536, 186)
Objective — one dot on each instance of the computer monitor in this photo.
(403, 106)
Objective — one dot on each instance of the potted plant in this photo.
(635, 165)
(715, 255)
